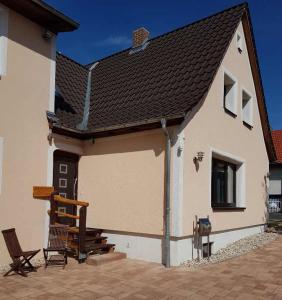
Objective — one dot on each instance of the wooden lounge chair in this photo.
(57, 242)
(21, 259)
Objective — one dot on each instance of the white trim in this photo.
(178, 174)
(1, 161)
(52, 147)
(233, 110)
(4, 15)
(240, 174)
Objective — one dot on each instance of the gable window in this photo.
(230, 94)
(239, 41)
(247, 109)
(223, 183)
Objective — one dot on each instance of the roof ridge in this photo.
(243, 4)
(72, 60)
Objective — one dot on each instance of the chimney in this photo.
(139, 37)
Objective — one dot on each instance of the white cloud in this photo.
(114, 41)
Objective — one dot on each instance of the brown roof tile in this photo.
(166, 79)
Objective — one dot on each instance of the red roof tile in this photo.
(277, 140)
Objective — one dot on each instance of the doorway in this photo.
(65, 181)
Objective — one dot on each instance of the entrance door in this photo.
(65, 178)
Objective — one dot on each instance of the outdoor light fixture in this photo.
(200, 156)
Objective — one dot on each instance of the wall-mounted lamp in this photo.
(197, 159)
(200, 156)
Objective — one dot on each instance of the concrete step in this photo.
(98, 260)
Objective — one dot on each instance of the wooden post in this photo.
(197, 237)
(208, 242)
(54, 208)
(82, 234)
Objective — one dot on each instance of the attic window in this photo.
(230, 94)
(247, 109)
(239, 41)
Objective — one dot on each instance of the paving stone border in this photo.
(237, 248)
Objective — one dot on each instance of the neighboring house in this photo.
(275, 185)
(174, 127)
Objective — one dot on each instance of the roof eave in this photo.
(42, 14)
(259, 87)
(119, 129)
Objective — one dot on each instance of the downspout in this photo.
(167, 196)
(84, 123)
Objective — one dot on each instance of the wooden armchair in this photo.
(57, 242)
(21, 259)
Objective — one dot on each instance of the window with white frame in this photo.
(227, 182)
(247, 108)
(239, 42)
(230, 94)
(3, 39)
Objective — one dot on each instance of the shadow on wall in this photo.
(123, 144)
(28, 34)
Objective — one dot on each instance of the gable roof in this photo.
(277, 140)
(42, 14)
(166, 80)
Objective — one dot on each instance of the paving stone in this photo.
(256, 275)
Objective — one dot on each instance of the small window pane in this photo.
(239, 42)
(63, 168)
(63, 182)
(223, 184)
(230, 184)
(229, 97)
(247, 108)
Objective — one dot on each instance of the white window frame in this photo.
(3, 39)
(1, 161)
(239, 44)
(249, 122)
(240, 175)
(234, 108)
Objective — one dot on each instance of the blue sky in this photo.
(106, 27)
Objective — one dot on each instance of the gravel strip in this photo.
(237, 248)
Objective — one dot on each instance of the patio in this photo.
(257, 275)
